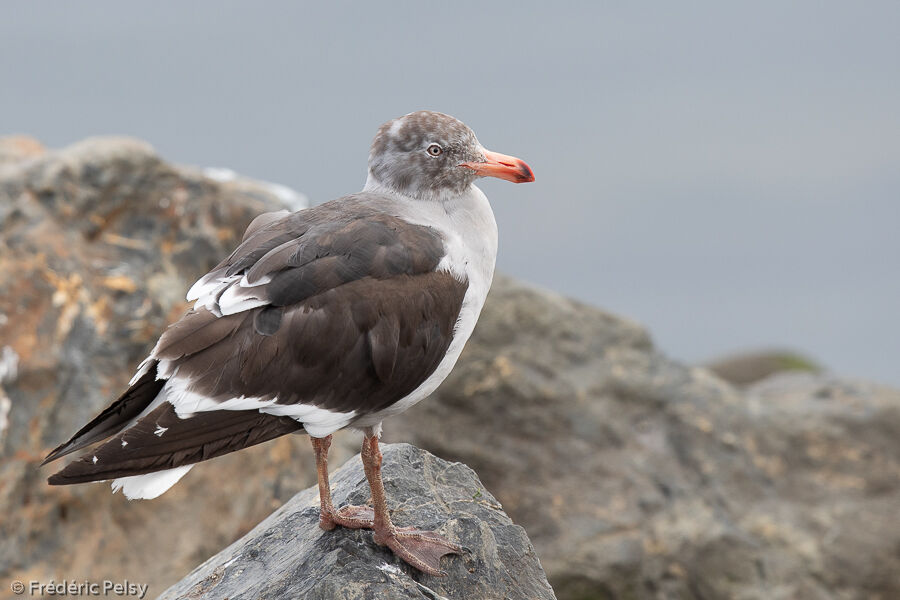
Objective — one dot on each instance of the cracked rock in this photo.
(289, 556)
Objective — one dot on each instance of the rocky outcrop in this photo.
(638, 477)
(288, 556)
(634, 476)
(98, 243)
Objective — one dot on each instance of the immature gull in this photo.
(336, 316)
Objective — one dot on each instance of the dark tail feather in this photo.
(162, 440)
(115, 416)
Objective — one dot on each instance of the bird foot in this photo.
(351, 517)
(420, 549)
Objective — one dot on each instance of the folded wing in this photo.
(315, 320)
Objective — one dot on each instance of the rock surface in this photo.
(288, 556)
(635, 476)
(638, 477)
(98, 243)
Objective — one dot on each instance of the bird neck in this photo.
(467, 217)
(441, 196)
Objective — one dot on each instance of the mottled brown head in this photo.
(428, 154)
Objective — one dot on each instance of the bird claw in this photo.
(351, 517)
(419, 548)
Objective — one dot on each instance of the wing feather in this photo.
(162, 440)
(332, 312)
(114, 417)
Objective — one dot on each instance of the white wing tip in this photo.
(197, 289)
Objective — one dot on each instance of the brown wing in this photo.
(341, 307)
(114, 417)
(141, 449)
(360, 347)
(357, 347)
(338, 307)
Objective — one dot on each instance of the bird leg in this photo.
(421, 549)
(353, 517)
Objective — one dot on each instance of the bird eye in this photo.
(435, 150)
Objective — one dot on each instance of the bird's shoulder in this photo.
(286, 258)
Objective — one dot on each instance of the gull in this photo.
(336, 316)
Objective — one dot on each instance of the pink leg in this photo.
(421, 549)
(353, 517)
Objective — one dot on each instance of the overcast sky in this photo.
(727, 175)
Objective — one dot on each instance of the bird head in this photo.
(428, 154)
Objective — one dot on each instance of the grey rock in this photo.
(98, 244)
(638, 477)
(288, 556)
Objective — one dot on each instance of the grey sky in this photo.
(728, 175)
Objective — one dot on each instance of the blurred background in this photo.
(728, 175)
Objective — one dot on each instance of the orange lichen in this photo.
(119, 283)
